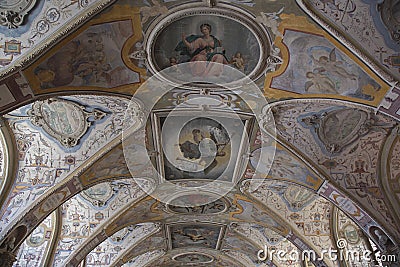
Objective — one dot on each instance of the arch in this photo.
(323, 162)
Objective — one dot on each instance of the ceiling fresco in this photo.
(32, 28)
(84, 213)
(371, 25)
(143, 133)
(358, 173)
(350, 233)
(36, 247)
(117, 244)
(45, 161)
(261, 236)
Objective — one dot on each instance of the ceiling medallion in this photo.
(64, 120)
(99, 195)
(338, 128)
(351, 234)
(194, 258)
(41, 234)
(13, 12)
(201, 35)
(188, 204)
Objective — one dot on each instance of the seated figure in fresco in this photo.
(203, 49)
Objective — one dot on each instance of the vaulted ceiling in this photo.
(131, 137)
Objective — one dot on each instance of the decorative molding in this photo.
(10, 159)
(13, 12)
(55, 237)
(390, 105)
(15, 90)
(385, 171)
(7, 258)
(193, 258)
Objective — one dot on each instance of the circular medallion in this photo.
(189, 204)
(351, 233)
(37, 236)
(193, 258)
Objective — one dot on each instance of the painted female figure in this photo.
(203, 49)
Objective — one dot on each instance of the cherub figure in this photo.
(238, 61)
(173, 61)
(333, 66)
(320, 83)
(152, 11)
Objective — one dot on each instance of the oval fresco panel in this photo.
(193, 258)
(351, 233)
(204, 35)
(188, 204)
(65, 120)
(37, 236)
(98, 194)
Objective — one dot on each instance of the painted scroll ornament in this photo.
(64, 120)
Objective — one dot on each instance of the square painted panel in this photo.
(190, 235)
(200, 147)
